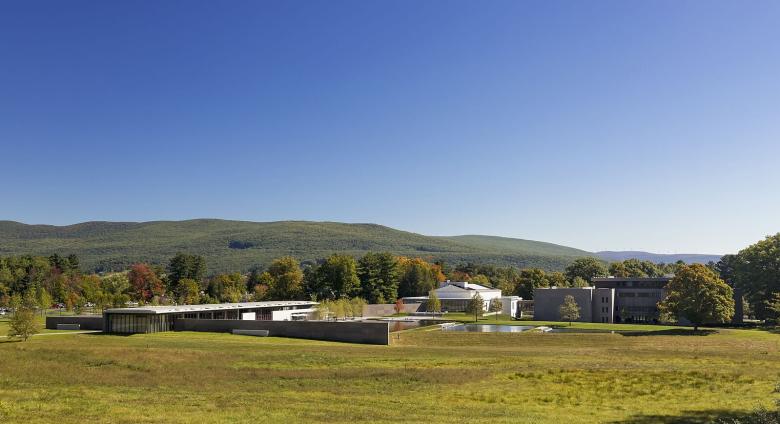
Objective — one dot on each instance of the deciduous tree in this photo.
(698, 295)
(337, 277)
(144, 283)
(187, 291)
(496, 306)
(569, 309)
(418, 277)
(476, 306)
(756, 270)
(22, 323)
(285, 279)
(529, 280)
(434, 304)
(586, 268)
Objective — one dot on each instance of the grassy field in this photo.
(427, 376)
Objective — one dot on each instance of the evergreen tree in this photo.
(379, 277)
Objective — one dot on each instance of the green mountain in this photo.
(242, 245)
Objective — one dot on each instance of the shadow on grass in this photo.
(699, 417)
(670, 332)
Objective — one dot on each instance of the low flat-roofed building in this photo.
(152, 319)
(456, 295)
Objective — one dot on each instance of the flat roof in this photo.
(172, 309)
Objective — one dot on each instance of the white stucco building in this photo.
(455, 295)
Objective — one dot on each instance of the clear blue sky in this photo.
(599, 124)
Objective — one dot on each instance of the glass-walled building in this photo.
(153, 319)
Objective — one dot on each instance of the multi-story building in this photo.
(609, 300)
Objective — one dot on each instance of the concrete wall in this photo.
(604, 305)
(87, 322)
(386, 309)
(351, 332)
(548, 300)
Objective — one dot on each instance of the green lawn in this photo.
(507, 320)
(426, 376)
(40, 319)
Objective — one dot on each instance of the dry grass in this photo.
(427, 376)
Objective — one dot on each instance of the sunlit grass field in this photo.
(425, 376)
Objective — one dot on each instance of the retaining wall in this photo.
(351, 332)
(86, 322)
(386, 309)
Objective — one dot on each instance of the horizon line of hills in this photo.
(243, 245)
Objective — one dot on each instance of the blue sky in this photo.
(604, 125)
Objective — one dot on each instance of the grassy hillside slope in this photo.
(241, 245)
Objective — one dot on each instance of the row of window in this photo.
(656, 295)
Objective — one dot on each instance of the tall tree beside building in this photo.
(337, 277)
(183, 266)
(434, 304)
(285, 279)
(586, 268)
(481, 279)
(378, 274)
(116, 287)
(476, 306)
(569, 309)
(187, 291)
(91, 289)
(756, 271)
(530, 279)
(417, 277)
(556, 279)
(227, 287)
(635, 268)
(698, 295)
(579, 282)
(496, 306)
(144, 283)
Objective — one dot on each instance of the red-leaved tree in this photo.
(144, 283)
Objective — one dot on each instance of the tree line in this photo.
(374, 277)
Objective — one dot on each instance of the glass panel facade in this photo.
(139, 323)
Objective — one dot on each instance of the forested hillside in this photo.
(240, 246)
(658, 258)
